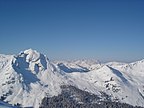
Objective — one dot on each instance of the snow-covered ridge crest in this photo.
(32, 55)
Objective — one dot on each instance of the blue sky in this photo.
(71, 29)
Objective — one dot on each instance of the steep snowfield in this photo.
(28, 77)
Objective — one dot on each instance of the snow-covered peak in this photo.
(32, 55)
(31, 60)
(27, 78)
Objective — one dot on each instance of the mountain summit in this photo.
(27, 78)
(32, 60)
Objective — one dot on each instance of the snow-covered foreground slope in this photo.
(28, 77)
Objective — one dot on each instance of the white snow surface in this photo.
(28, 77)
(5, 105)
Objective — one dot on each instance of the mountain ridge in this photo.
(30, 76)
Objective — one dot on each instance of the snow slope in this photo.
(78, 65)
(30, 76)
(5, 105)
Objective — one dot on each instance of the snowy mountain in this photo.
(26, 78)
(77, 65)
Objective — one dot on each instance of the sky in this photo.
(107, 30)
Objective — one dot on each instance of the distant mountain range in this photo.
(27, 79)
